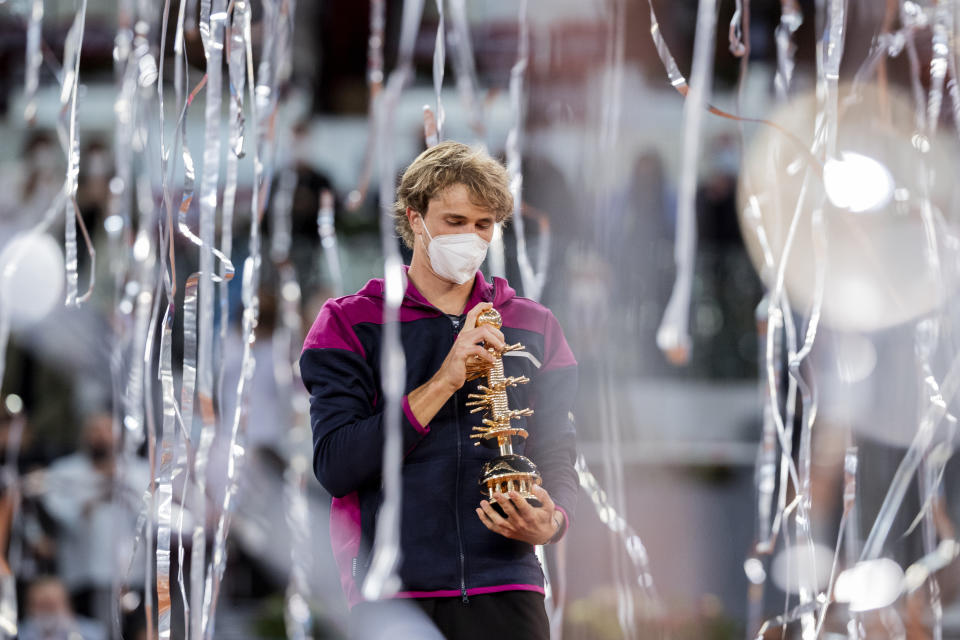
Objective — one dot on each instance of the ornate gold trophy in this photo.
(509, 471)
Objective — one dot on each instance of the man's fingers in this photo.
(522, 506)
(487, 522)
(508, 507)
(545, 498)
(478, 353)
(471, 320)
(490, 336)
(491, 513)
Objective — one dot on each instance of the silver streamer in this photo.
(673, 336)
(532, 281)
(621, 529)
(790, 20)
(439, 62)
(198, 330)
(33, 57)
(328, 240)
(382, 580)
(465, 67)
(287, 339)
(375, 84)
(274, 70)
(609, 419)
(69, 138)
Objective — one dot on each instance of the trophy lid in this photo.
(490, 316)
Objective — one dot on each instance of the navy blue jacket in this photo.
(446, 549)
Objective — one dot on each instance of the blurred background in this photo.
(675, 447)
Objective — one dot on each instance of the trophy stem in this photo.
(509, 471)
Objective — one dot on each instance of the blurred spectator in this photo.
(49, 616)
(30, 184)
(95, 499)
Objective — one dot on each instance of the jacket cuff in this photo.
(563, 526)
(412, 419)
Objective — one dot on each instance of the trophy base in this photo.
(511, 472)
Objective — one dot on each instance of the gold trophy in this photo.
(509, 471)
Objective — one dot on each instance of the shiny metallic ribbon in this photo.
(531, 280)
(287, 340)
(465, 67)
(673, 335)
(33, 58)
(382, 580)
(791, 18)
(439, 62)
(621, 529)
(198, 321)
(274, 70)
(328, 240)
(69, 138)
(375, 85)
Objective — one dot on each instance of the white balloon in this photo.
(31, 278)
(868, 585)
(878, 251)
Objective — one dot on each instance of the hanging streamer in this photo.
(628, 537)
(532, 281)
(274, 71)
(69, 138)
(375, 85)
(382, 580)
(328, 240)
(439, 62)
(673, 336)
(465, 67)
(33, 59)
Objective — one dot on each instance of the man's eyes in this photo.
(460, 223)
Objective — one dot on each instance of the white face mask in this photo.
(456, 256)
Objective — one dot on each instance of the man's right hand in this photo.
(470, 346)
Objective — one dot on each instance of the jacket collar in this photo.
(497, 291)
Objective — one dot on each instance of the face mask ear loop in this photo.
(424, 223)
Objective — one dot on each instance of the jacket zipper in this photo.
(456, 503)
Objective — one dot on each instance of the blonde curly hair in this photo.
(442, 166)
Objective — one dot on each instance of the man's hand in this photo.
(533, 525)
(471, 344)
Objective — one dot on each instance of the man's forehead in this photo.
(455, 200)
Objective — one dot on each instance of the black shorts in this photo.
(507, 615)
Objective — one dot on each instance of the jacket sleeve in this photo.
(346, 406)
(552, 444)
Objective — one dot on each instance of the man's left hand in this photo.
(533, 525)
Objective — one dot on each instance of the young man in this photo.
(472, 570)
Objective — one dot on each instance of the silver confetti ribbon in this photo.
(198, 321)
(287, 340)
(375, 78)
(636, 551)
(439, 62)
(673, 335)
(791, 18)
(465, 67)
(531, 280)
(34, 58)
(273, 73)
(382, 580)
(69, 139)
(328, 240)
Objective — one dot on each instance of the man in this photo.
(471, 570)
(95, 508)
(49, 616)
